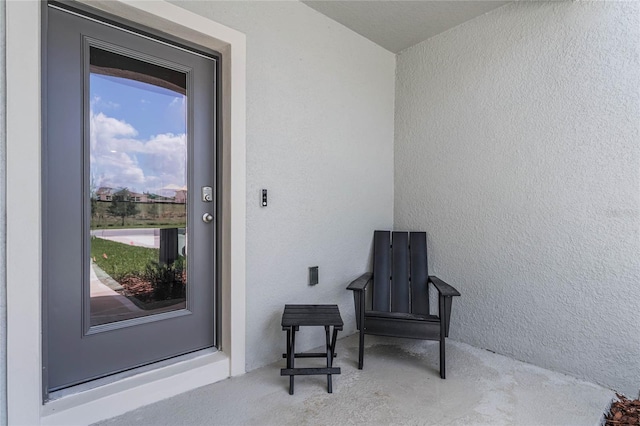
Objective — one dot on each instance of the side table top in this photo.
(303, 315)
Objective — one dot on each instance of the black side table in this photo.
(293, 318)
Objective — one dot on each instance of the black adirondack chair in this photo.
(399, 288)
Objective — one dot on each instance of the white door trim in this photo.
(24, 217)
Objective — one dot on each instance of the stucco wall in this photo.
(517, 149)
(320, 102)
(3, 222)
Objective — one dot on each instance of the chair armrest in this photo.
(361, 282)
(443, 288)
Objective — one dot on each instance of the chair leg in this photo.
(442, 360)
(360, 313)
(447, 314)
(361, 349)
(443, 333)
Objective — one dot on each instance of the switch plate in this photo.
(264, 198)
(313, 275)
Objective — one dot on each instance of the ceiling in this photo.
(397, 24)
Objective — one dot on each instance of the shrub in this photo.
(167, 281)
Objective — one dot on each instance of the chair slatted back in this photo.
(381, 271)
(419, 274)
(400, 272)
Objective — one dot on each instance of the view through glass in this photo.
(138, 188)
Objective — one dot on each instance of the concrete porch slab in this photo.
(399, 384)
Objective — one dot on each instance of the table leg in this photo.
(333, 342)
(329, 359)
(289, 352)
(292, 357)
(288, 347)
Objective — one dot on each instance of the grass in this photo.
(132, 266)
(120, 260)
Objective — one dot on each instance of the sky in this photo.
(137, 135)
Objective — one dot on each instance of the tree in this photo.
(122, 206)
(152, 210)
(94, 207)
(93, 195)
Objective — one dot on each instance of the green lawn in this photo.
(121, 259)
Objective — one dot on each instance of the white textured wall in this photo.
(517, 149)
(3, 222)
(320, 102)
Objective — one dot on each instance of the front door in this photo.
(129, 232)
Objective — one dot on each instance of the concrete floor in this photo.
(400, 384)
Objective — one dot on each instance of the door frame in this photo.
(24, 46)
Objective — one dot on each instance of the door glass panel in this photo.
(137, 187)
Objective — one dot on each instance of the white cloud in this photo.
(98, 102)
(120, 159)
(176, 112)
(107, 128)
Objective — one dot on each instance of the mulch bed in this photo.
(140, 292)
(623, 412)
(137, 287)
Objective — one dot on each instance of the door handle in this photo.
(207, 218)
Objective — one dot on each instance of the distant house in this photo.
(138, 198)
(181, 196)
(105, 193)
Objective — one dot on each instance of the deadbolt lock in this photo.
(207, 194)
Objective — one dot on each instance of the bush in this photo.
(167, 281)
